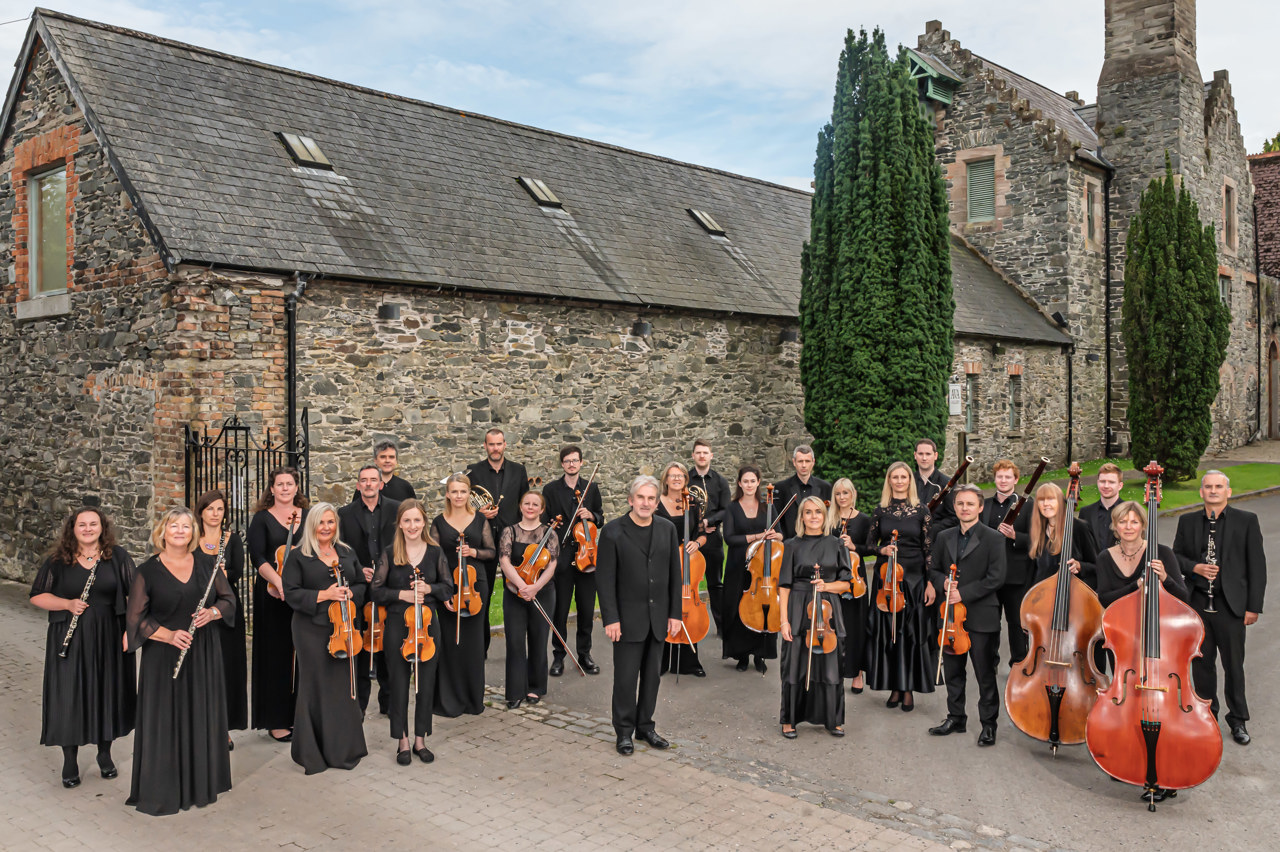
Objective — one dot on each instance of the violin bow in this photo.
(942, 634)
(538, 605)
(572, 518)
(813, 628)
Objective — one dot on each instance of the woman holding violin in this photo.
(467, 542)
(745, 524)
(815, 572)
(411, 573)
(277, 521)
(852, 528)
(674, 480)
(522, 548)
(900, 647)
(1047, 531)
(325, 586)
(217, 540)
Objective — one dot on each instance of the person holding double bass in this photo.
(573, 584)
(526, 627)
(815, 572)
(978, 553)
(677, 656)
(744, 525)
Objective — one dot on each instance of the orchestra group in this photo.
(389, 591)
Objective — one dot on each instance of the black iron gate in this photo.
(231, 460)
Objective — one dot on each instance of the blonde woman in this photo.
(180, 754)
(1047, 531)
(328, 727)
(899, 648)
(852, 528)
(674, 479)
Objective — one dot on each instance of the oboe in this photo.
(84, 596)
(1211, 556)
(222, 552)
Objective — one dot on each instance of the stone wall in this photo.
(1265, 172)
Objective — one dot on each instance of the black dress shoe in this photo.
(988, 736)
(557, 667)
(109, 772)
(532, 699)
(791, 734)
(761, 666)
(231, 746)
(948, 726)
(404, 758)
(743, 665)
(907, 708)
(654, 739)
(893, 702)
(856, 690)
(1240, 735)
(285, 739)
(698, 673)
(71, 782)
(424, 754)
(512, 705)
(625, 745)
(589, 665)
(836, 732)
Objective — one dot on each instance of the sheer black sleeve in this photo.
(486, 552)
(43, 583)
(505, 543)
(257, 536)
(442, 584)
(926, 533)
(139, 625)
(378, 591)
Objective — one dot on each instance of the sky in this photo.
(742, 86)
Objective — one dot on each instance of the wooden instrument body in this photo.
(345, 642)
(857, 585)
(587, 535)
(374, 625)
(822, 633)
(1188, 747)
(417, 622)
(283, 551)
(952, 636)
(1057, 658)
(890, 597)
(531, 566)
(466, 601)
(693, 609)
(759, 607)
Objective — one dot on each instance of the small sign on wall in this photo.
(955, 399)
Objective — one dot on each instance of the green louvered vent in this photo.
(981, 178)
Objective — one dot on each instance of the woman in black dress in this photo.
(1120, 567)
(90, 692)
(1047, 531)
(526, 629)
(674, 479)
(328, 726)
(211, 513)
(745, 523)
(852, 528)
(273, 664)
(901, 662)
(395, 588)
(180, 754)
(460, 678)
(815, 563)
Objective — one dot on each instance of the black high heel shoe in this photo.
(894, 701)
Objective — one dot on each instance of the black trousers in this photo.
(985, 654)
(1223, 634)
(490, 574)
(526, 635)
(363, 680)
(636, 664)
(713, 554)
(400, 680)
(573, 586)
(1011, 602)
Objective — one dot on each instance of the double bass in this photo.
(1050, 693)
(758, 607)
(1149, 727)
(694, 614)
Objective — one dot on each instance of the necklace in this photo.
(210, 547)
(1127, 554)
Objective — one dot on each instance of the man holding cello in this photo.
(578, 501)
(978, 552)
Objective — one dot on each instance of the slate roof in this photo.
(1051, 105)
(987, 305)
(426, 194)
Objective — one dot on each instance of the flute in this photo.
(84, 596)
(222, 552)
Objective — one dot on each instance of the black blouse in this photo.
(1113, 585)
(111, 582)
(392, 578)
(158, 599)
(695, 520)
(306, 576)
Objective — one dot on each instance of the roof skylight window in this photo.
(304, 151)
(540, 191)
(710, 225)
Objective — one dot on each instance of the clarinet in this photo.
(75, 617)
(1211, 557)
(222, 552)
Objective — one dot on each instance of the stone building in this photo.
(1265, 172)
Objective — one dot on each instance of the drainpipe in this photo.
(1257, 273)
(1070, 350)
(291, 361)
(1106, 313)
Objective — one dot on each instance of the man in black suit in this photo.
(800, 485)
(571, 584)
(506, 481)
(1237, 573)
(1097, 516)
(929, 483)
(368, 524)
(1017, 542)
(386, 456)
(978, 553)
(702, 476)
(638, 579)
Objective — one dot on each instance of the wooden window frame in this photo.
(37, 232)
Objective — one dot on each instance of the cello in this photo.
(694, 615)
(1149, 727)
(758, 607)
(1049, 694)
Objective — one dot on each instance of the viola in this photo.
(857, 586)
(1050, 693)
(418, 646)
(1149, 727)
(345, 642)
(758, 607)
(374, 624)
(537, 556)
(693, 609)
(890, 598)
(952, 637)
(467, 601)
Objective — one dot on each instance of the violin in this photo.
(466, 601)
(283, 551)
(1050, 693)
(345, 642)
(822, 637)
(759, 608)
(1149, 727)
(536, 556)
(857, 585)
(418, 645)
(373, 629)
(952, 637)
(584, 530)
(890, 598)
(694, 613)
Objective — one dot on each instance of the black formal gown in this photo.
(905, 661)
(739, 641)
(90, 695)
(180, 755)
(857, 610)
(527, 632)
(1046, 563)
(328, 726)
(1113, 584)
(273, 663)
(460, 677)
(389, 581)
(821, 702)
(685, 656)
(235, 662)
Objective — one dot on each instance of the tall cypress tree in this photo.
(1175, 329)
(876, 306)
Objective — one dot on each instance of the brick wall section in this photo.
(1265, 172)
(34, 155)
